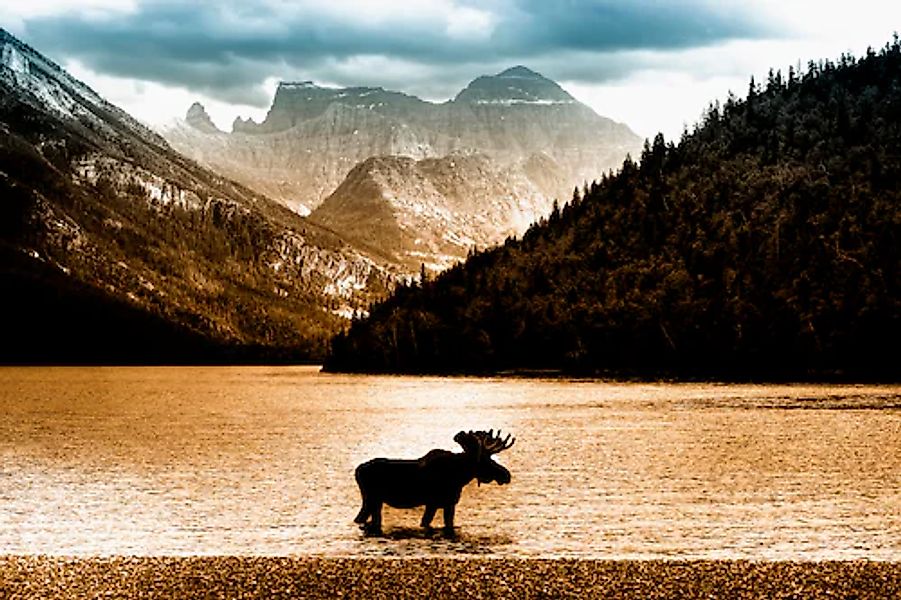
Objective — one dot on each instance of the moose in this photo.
(435, 481)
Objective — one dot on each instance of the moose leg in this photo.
(428, 515)
(375, 509)
(363, 514)
(366, 509)
(449, 519)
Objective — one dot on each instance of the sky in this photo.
(652, 64)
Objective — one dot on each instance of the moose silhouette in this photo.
(435, 481)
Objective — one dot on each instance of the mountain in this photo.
(115, 248)
(431, 211)
(299, 159)
(308, 149)
(764, 245)
(198, 118)
(517, 85)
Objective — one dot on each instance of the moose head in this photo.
(481, 446)
(435, 480)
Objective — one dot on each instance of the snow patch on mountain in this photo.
(515, 101)
(14, 60)
(297, 85)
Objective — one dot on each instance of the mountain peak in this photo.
(247, 125)
(516, 85)
(49, 87)
(519, 72)
(198, 118)
(196, 109)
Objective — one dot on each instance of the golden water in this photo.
(259, 460)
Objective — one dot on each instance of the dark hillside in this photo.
(765, 245)
(115, 248)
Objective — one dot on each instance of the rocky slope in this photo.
(531, 131)
(431, 211)
(101, 219)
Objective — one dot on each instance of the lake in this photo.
(260, 461)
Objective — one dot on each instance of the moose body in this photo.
(435, 481)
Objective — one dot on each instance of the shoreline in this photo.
(615, 377)
(446, 577)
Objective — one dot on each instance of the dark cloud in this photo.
(627, 25)
(229, 48)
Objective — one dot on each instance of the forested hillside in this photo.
(764, 244)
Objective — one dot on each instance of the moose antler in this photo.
(491, 443)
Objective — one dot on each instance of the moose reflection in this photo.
(434, 481)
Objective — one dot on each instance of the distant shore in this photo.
(306, 577)
(645, 376)
(831, 378)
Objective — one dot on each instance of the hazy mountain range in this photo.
(446, 177)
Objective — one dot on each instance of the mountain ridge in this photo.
(322, 95)
(101, 214)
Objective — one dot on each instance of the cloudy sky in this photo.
(653, 64)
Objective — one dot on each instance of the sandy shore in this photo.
(247, 577)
